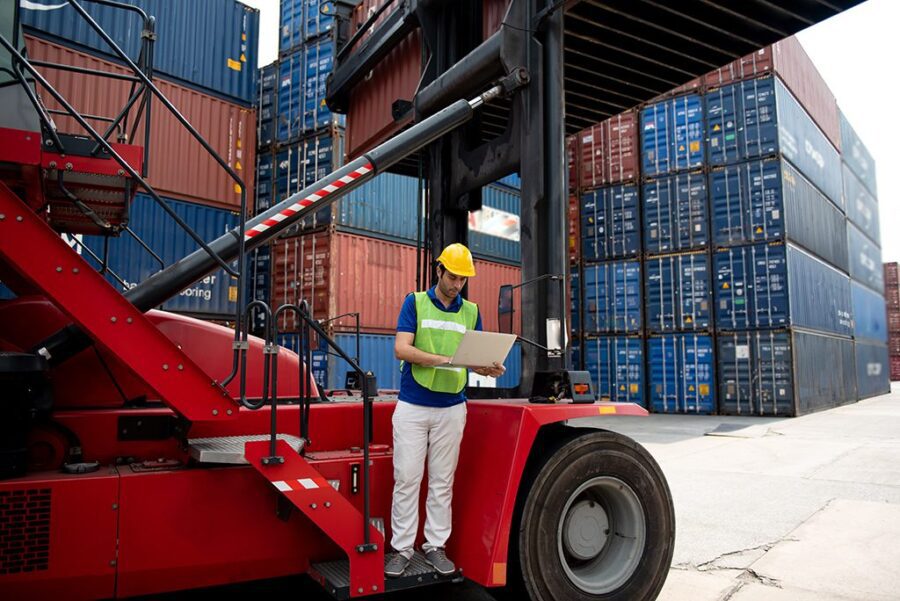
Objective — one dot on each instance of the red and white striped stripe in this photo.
(301, 204)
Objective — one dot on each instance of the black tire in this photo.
(597, 478)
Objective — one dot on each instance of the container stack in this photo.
(357, 255)
(751, 302)
(206, 68)
(892, 300)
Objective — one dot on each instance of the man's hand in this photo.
(494, 371)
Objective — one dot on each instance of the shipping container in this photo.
(869, 314)
(609, 152)
(267, 105)
(179, 167)
(677, 293)
(760, 118)
(574, 234)
(265, 180)
(573, 162)
(784, 373)
(793, 66)
(892, 300)
(769, 200)
(214, 297)
(865, 259)
(304, 163)
(612, 298)
(343, 273)
(610, 223)
(891, 273)
(682, 374)
(494, 230)
(675, 212)
(302, 77)
(575, 302)
(894, 343)
(777, 286)
(872, 369)
(211, 45)
(672, 134)
(616, 365)
(893, 317)
(857, 156)
(895, 368)
(862, 207)
(303, 20)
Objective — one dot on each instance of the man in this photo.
(431, 413)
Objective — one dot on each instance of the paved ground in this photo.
(767, 509)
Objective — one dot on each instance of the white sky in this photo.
(852, 52)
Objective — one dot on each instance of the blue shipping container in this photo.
(865, 259)
(575, 299)
(678, 293)
(869, 314)
(676, 213)
(784, 373)
(258, 280)
(265, 181)
(611, 223)
(303, 19)
(682, 368)
(768, 200)
(302, 81)
(207, 44)
(616, 366)
(303, 164)
(612, 298)
(873, 369)
(759, 118)
(267, 105)
(777, 286)
(214, 296)
(857, 156)
(672, 135)
(862, 207)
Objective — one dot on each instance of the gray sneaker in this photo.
(396, 565)
(437, 557)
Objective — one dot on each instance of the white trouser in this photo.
(437, 432)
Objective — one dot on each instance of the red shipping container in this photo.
(179, 167)
(790, 62)
(893, 320)
(892, 296)
(343, 273)
(891, 274)
(610, 151)
(895, 368)
(694, 86)
(894, 343)
(572, 162)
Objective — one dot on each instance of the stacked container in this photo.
(758, 243)
(892, 301)
(358, 254)
(206, 68)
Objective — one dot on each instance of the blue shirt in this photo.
(410, 390)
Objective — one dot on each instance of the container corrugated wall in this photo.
(612, 298)
(608, 152)
(214, 296)
(616, 365)
(682, 368)
(210, 44)
(769, 200)
(677, 293)
(672, 136)
(872, 369)
(345, 273)
(857, 156)
(869, 314)
(302, 20)
(611, 223)
(675, 213)
(784, 373)
(302, 77)
(179, 167)
(865, 259)
(267, 105)
(760, 118)
(862, 208)
(772, 286)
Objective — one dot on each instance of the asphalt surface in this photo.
(766, 509)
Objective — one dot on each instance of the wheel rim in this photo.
(601, 535)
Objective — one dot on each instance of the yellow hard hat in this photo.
(457, 259)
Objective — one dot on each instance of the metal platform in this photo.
(335, 576)
(230, 449)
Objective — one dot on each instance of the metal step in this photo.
(230, 449)
(334, 576)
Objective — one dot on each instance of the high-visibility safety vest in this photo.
(440, 332)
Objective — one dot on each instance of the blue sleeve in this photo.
(478, 321)
(407, 320)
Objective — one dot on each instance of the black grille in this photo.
(24, 530)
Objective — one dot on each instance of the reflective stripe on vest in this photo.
(439, 333)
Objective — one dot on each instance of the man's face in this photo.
(451, 284)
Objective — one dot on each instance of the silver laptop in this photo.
(482, 349)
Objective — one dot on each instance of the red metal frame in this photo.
(189, 528)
